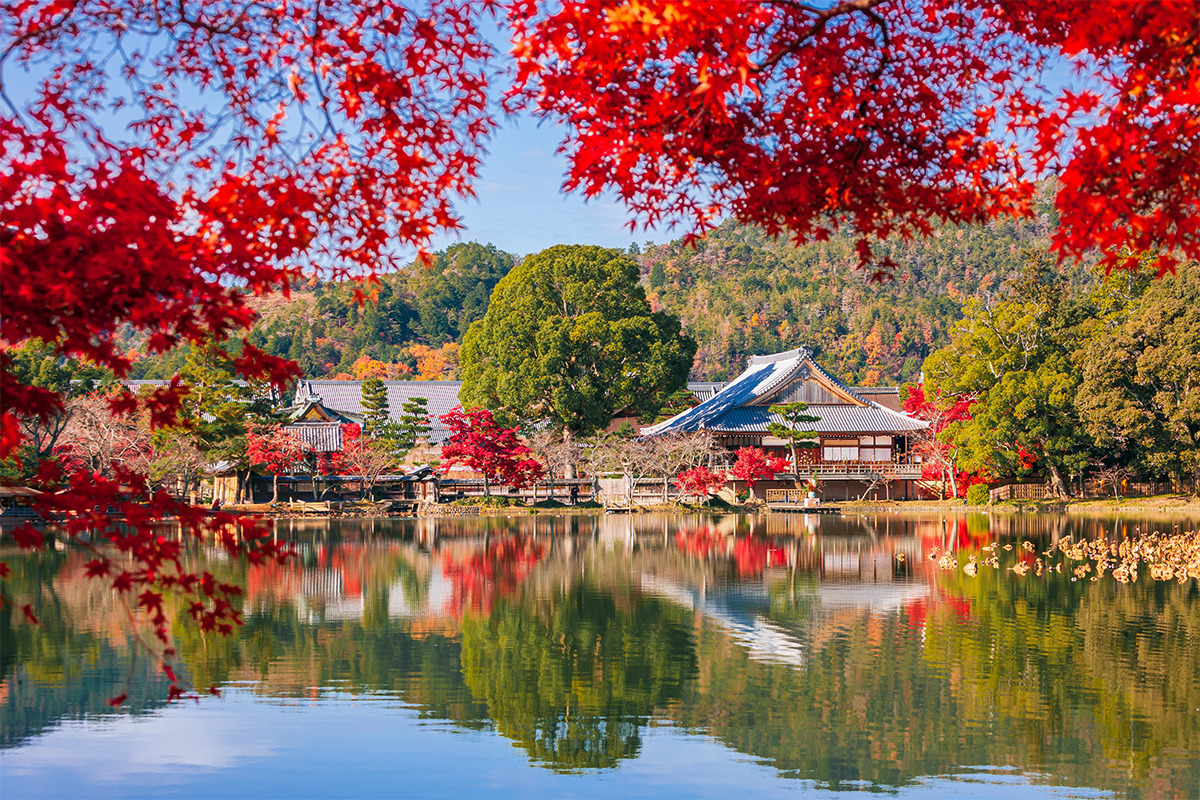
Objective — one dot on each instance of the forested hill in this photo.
(738, 293)
(412, 329)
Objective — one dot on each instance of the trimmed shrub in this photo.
(977, 495)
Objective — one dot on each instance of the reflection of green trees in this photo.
(1093, 684)
(60, 669)
(1084, 674)
(574, 682)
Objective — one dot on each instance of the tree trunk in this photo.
(954, 481)
(1056, 481)
(487, 490)
(274, 488)
(569, 467)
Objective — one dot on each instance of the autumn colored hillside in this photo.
(738, 292)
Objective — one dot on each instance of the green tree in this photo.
(1139, 396)
(569, 338)
(1017, 357)
(453, 290)
(218, 411)
(37, 364)
(413, 422)
(375, 406)
(794, 428)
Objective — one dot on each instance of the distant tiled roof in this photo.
(346, 396)
(733, 409)
(705, 389)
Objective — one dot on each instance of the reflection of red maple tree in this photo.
(753, 555)
(700, 542)
(479, 579)
(917, 612)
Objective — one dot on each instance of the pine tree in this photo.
(791, 429)
(375, 406)
(414, 421)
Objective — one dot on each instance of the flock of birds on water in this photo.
(1165, 556)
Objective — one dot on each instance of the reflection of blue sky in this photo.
(247, 746)
(244, 746)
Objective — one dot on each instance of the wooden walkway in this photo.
(799, 508)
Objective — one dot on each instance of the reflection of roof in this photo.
(346, 396)
(743, 611)
(736, 407)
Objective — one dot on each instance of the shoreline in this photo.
(1171, 504)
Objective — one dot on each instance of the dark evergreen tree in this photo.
(375, 407)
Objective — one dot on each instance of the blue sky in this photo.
(521, 208)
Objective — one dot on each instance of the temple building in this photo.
(864, 443)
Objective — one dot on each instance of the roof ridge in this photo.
(755, 361)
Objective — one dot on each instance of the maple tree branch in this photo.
(823, 17)
(19, 41)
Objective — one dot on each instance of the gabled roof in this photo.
(311, 410)
(743, 405)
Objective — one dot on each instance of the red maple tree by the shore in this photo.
(700, 481)
(479, 444)
(277, 450)
(754, 464)
(937, 450)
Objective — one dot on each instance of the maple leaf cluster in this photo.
(883, 116)
(754, 464)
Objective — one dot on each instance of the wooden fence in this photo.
(1021, 491)
(1094, 489)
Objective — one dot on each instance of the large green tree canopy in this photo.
(570, 339)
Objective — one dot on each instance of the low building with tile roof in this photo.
(863, 444)
(345, 398)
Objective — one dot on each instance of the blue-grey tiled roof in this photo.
(847, 419)
(733, 409)
(705, 389)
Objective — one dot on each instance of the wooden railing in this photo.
(862, 471)
(796, 496)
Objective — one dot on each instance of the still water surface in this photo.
(648, 656)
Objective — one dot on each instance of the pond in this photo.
(647, 656)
